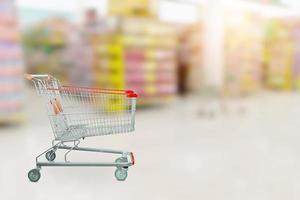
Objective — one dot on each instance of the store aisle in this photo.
(179, 155)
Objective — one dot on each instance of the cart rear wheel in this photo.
(34, 175)
(121, 174)
(50, 155)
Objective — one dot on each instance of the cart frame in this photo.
(122, 163)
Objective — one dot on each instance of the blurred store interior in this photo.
(215, 78)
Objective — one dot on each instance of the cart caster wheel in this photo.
(50, 155)
(122, 160)
(34, 175)
(121, 174)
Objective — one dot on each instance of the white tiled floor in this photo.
(179, 155)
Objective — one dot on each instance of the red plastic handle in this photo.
(132, 158)
(128, 93)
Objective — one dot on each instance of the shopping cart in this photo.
(79, 112)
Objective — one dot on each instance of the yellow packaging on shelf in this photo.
(12, 118)
(279, 54)
(110, 77)
(116, 78)
(118, 85)
(102, 64)
(102, 82)
(115, 49)
(101, 49)
(151, 41)
(297, 82)
(150, 54)
(248, 84)
(115, 103)
(150, 77)
(132, 8)
(129, 39)
(280, 69)
(116, 64)
(150, 66)
(150, 89)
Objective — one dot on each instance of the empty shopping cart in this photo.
(79, 112)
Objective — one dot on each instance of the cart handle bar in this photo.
(128, 93)
(32, 76)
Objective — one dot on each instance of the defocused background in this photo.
(218, 103)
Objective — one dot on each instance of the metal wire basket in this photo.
(78, 112)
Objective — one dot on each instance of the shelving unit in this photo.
(150, 58)
(243, 51)
(296, 61)
(278, 54)
(140, 54)
(44, 45)
(11, 65)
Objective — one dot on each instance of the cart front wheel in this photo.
(121, 174)
(34, 175)
(50, 155)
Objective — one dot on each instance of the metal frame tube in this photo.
(92, 150)
(82, 164)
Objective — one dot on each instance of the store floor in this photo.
(180, 155)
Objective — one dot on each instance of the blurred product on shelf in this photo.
(138, 54)
(11, 65)
(131, 48)
(296, 43)
(278, 54)
(112, 52)
(134, 8)
(189, 58)
(243, 42)
(149, 49)
(44, 45)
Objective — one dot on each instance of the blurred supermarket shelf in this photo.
(132, 47)
(11, 65)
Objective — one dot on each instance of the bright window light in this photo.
(178, 11)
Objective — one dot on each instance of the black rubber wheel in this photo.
(121, 174)
(34, 175)
(50, 155)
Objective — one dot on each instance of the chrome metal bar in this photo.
(92, 150)
(82, 164)
(75, 145)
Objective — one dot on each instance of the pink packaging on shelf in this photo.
(135, 78)
(167, 89)
(6, 71)
(134, 55)
(134, 65)
(9, 88)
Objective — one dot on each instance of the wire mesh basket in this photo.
(79, 112)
